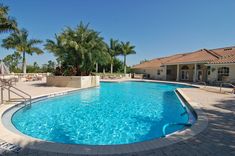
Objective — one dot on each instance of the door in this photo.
(199, 75)
(184, 74)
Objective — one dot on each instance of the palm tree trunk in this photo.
(124, 64)
(24, 64)
(111, 68)
(103, 70)
(96, 67)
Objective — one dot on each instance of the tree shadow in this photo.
(228, 104)
(217, 139)
(39, 84)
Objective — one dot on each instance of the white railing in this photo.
(9, 87)
(173, 124)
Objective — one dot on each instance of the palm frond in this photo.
(7, 23)
(34, 41)
(36, 50)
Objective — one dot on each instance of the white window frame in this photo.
(222, 72)
(185, 73)
(198, 74)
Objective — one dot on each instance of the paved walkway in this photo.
(36, 88)
(218, 139)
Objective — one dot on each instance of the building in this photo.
(203, 65)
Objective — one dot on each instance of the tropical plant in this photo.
(20, 42)
(12, 61)
(117, 66)
(35, 68)
(50, 66)
(113, 50)
(78, 50)
(7, 23)
(126, 49)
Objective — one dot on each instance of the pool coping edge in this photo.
(37, 144)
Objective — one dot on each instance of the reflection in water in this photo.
(88, 97)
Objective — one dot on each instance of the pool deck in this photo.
(217, 137)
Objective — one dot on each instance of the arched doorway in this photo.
(184, 73)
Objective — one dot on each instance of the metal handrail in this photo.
(25, 99)
(8, 84)
(172, 124)
(30, 98)
(226, 83)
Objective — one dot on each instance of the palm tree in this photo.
(113, 50)
(126, 49)
(80, 48)
(6, 23)
(56, 48)
(20, 42)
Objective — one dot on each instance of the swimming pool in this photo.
(115, 113)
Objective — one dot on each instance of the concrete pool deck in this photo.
(218, 138)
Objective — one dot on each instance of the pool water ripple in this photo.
(115, 113)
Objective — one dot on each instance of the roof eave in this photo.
(186, 62)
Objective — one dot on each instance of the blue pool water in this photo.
(115, 113)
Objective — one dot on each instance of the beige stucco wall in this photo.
(214, 72)
(73, 81)
(153, 72)
(191, 71)
(212, 77)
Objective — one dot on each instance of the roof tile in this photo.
(213, 56)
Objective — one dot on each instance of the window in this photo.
(227, 49)
(184, 72)
(199, 66)
(158, 72)
(184, 75)
(208, 72)
(185, 68)
(222, 73)
(168, 72)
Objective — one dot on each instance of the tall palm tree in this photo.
(20, 42)
(80, 48)
(113, 50)
(6, 23)
(56, 47)
(126, 49)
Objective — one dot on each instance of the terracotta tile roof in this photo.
(201, 56)
(225, 59)
(220, 55)
(225, 51)
(156, 62)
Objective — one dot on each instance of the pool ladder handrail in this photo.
(229, 84)
(11, 91)
(173, 124)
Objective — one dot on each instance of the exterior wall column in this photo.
(178, 73)
(165, 73)
(195, 73)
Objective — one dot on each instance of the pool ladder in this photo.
(173, 124)
(10, 90)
